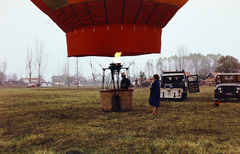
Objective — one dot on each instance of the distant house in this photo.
(146, 82)
(33, 80)
(59, 83)
(187, 73)
(211, 78)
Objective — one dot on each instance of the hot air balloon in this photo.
(103, 27)
(106, 27)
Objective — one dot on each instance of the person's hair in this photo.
(156, 76)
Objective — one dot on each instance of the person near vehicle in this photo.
(125, 83)
(154, 99)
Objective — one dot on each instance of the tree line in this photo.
(195, 63)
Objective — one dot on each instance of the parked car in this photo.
(175, 85)
(49, 85)
(31, 85)
(227, 86)
(44, 85)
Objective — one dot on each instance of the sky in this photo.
(203, 26)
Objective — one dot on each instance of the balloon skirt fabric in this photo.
(106, 40)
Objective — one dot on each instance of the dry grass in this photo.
(69, 120)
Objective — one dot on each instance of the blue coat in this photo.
(154, 99)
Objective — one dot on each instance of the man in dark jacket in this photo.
(125, 83)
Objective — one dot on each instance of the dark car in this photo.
(227, 86)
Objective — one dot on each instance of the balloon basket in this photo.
(116, 100)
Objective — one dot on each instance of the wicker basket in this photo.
(116, 99)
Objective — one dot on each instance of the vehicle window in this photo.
(180, 79)
(172, 79)
(192, 78)
(166, 79)
(229, 78)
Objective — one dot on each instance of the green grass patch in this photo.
(69, 120)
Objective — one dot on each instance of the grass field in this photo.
(69, 120)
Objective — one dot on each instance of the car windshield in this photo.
(228, 78)
(172, 79)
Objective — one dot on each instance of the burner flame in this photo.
(117, 57)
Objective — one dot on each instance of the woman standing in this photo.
(154, 99)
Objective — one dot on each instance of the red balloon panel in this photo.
(66, 19)
(131, 11)
(145, 12)
(127, 39)
(158, 14)
(82, 14)
(171, 11)
(97, 11)
(114, 11)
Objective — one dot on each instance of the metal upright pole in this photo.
(112, 71)
(118, 80)
(103, 78)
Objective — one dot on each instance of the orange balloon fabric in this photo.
(103, 27)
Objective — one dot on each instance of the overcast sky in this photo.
(203, 26)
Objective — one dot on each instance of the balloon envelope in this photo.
(103, 27)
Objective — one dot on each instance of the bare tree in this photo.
(133, 64)
(3, 68)
(93, 75)
(182, 52)
(77, 70)
(159, 65)
(169, 59)
(164, 64)
(12, 77)
(66, 72)
(58, 73)
(41, 59)
(149, 67)
(173, 64)
(29, 64)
